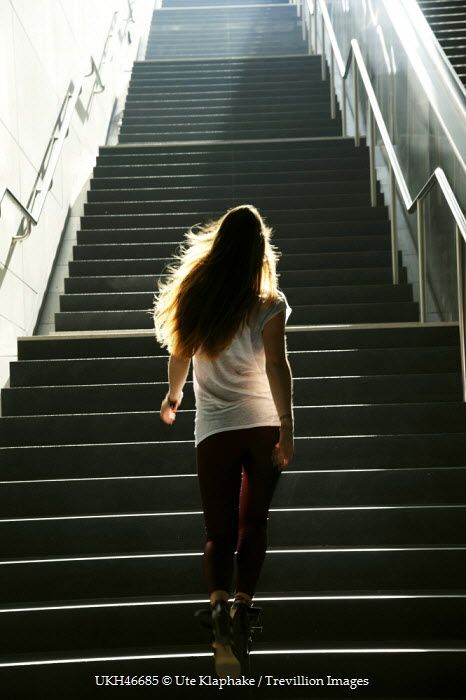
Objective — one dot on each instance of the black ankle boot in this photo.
(221, 623)
(241, 630)
(226, 662)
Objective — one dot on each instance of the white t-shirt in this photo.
(233, 391)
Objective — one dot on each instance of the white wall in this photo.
(44, 44)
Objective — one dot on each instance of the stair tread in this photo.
(259, 599)
(417, 645)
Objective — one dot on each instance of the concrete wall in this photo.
(44, 45)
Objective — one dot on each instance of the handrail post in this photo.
(322, 59)
(394, 227)
(332, 84)
(130, 9)
(344, 125)
(356, 102)
(303, 18)
(421, 251)
(460, 276)
(373, 173)
(310, 27)
(315, 27)
(94, 69)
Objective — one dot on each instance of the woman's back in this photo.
(232, 390)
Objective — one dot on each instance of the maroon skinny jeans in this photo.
(237, 480)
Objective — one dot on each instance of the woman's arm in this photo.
(178, 369)
(277, 366)
(281, 385)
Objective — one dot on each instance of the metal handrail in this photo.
(96, 71)
(32, 212)
(54, 146)
(397, 180)
(130, 17)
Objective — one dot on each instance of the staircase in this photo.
(447, 19)
(102, 529)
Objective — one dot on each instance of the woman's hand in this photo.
(282, 453)
(168, 409)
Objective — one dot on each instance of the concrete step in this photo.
(308, 363)
(178, 532)
(335, 619)
(212, 192)
(220, 117)
(316, 569)
(236, 38)
(240, 102)
(165, 137)
(122, 299)
(239, 153)
(65, 346)
(238, 150)
(170, 52)
(310, 420)
(326, 665)
(142, 396)
(317, 166)
(247, 64)
(101, 282)
(214, 88)
(106, 459)
(150, 204)
(275, 19)
(222, 12)
(239, 78)
(388, 312)
(307, 489)
(194, 213)
(214, 4)
(91, 250)
(132, 263)
(148, 125)
(174, 234)
(126, 178)
(352, 278)
(258, 110)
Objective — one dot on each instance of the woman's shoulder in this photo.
(273, 300)
(273, 297)
(272, 305)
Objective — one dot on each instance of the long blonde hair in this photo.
(221, 273)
